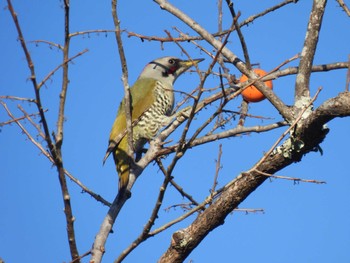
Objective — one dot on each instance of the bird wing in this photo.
(142, 98)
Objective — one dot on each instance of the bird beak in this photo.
(189, 63)
(185, 65)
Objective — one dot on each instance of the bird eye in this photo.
(171, 61)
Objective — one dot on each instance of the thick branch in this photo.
(307, 55)
(187, 239)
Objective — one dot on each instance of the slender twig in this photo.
(92, 31)
(239, 33)
(247, 210)
(344, 6)
(182, 34)
(173, 183)
(295, 179)
(183, 206)
(265, 12)
(32, 77)
(19, 118)
(17, 98)
(85, 189)
(179, 45)
(186, 38)
(81, 256)
(223, 135)
(209, 199)
(24, 130)
(183, 193)
(221, 121)
(50, 43)
(48, 76)
(218, 166)
(28, 117)
(220, 18)
(201, 206)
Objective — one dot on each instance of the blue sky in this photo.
(301, 222)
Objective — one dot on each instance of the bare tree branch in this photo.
(92, 31)
(217, 169)
(344, 6)
(147, 228)
(294, 179)
(19, 118)
(32, 77)
(230, 56)
(24, 130)
(119, 201)
(239, 33)
(302, 91)
(220, 33)
(127, 105)
(59, 66)
(305, 131)
(49, 43)
(55, 149)
(59, 140)
(225, 134)
(185, 240)
(17, 98)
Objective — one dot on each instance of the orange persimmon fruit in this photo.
(251, 93)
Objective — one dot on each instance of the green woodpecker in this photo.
(152, 101)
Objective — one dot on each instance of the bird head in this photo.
(167, 69)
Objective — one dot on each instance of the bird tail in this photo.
(122, 161)
(111, 147)
(123, 177)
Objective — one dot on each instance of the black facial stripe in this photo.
(160, 65)
(167, 70)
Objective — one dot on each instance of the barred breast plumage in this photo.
(152, 119)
